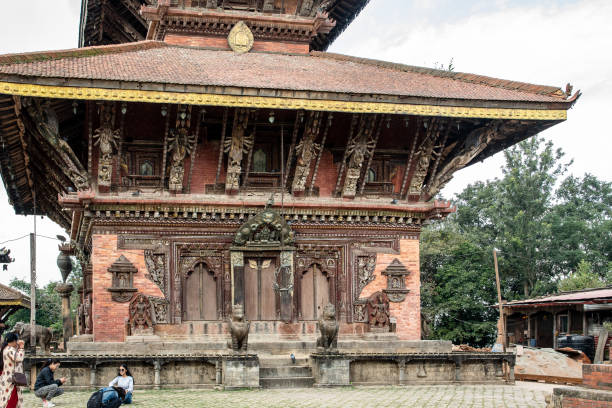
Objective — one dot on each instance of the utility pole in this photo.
(33, 283)
(502, 323)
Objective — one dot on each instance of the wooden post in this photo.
(502, 323)
(33, 288)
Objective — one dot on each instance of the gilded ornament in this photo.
(265, 102)
(240, 38)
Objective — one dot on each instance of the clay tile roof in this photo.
(160, 63)
(9, 296)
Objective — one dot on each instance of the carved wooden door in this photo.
(200, 292)
(314, 292)
(260, 297)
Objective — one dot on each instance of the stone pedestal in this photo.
(65, 290)
(331, 370)
(240, 371)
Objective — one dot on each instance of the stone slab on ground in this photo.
(522, 395)
(547, 362)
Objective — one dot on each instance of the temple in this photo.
(205, 154)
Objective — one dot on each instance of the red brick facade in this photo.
(408, 312)
(109, 316)
(572, 402)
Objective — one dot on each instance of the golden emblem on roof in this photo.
(240, 38)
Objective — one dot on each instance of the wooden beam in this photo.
(330, 117)
(223, 131)
(343, 164)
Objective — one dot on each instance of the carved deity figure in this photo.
(106, 138)
(211, 3)
(328, 326)
(141, 320)
(181, 144)
(358, 148)
(378, 311)
(365, 270)
(305, 151)
(236, 148)
(268, 5)
(239, 330)
(87, 316)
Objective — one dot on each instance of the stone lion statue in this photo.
(328, 326)
(239, 329)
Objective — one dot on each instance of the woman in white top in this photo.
(125, 381)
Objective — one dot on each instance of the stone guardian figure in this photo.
(328, 326)
(239, 329)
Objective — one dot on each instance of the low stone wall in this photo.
(259, 344)
(154, 371)
(597, 376)
(338, 369)
(580, 398)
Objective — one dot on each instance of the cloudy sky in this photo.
(549, 42)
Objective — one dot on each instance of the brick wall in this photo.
(205, 166)
(221, 43)
(327, 175)
(580, 398)
(109, 316)
(408, 312)
(571, 402)
(598, 376)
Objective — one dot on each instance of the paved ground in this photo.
(521, 395)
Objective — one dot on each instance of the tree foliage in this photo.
(550, 233)
(48, 302)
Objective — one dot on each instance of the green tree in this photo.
(457, 287)
(48, 306)
(581, 224)
(583, 278)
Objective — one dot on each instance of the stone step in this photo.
(285, 371)
(286, 382)
(282, 361)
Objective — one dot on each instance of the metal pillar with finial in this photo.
(64, 263)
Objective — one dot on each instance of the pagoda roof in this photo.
(153, 66)
(10, 296)
(121, 21)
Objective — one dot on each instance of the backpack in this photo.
(95, 401)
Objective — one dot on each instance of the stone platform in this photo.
(259, 344)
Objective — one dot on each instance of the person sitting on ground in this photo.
(46, 387)
(112, 397)
(124, 380)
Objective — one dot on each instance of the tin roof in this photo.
(603, 295)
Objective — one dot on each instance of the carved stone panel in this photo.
(160, 309)
(378, 312)
(364, 266)
(142, 316)
(122, 288)
(156, 265)
(396, 273)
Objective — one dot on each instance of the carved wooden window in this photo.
(371, 175)
(314, 292)
(259, 293)
(200, 294)
(260, 161)
(146, 168)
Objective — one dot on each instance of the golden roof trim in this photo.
(265, 102)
